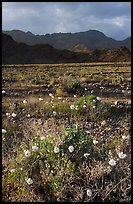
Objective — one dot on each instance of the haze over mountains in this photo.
(21, 53)
(80, 41)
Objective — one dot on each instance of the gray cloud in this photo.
(112, 18)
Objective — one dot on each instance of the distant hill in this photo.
(91, 39)
(21, 53)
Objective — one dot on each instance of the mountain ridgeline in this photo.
(88, 40)
(20, 53)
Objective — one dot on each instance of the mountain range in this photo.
(20, 53)
(77, 42)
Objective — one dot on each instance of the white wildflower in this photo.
(112, 162)
(3, 91)
(92, 91)
(4, 131)
(76, 107)
(12, 170)
(56, 150)
(29, 181)
(7, 114)
(72, 107)
(86, 155)
(51, 95)
(124, 137)
(84, 106)
(98, 98)
(35, 148)
(28, 115)
(14, 115)
(43, 138)
(59, 98)
(24, 101)
(94, 101)
(103, 122)
(74, 96)
(121, 155)
(95, 142)
(54, 113)
(40, 99)
(89, 192)
(71, 148)
(94, 107)
(85, 89)
(116, 103)
(27, 153)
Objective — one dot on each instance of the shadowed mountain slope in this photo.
(17, 53)
(91, 39)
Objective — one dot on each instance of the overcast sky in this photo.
(111, 18)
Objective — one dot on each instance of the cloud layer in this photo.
(112, 18)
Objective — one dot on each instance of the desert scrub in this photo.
(93, 108)
(120, 79)
(72, 86)
(38, 80)
(41, 163)
(81, 146)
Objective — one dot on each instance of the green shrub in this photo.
(73, 86)
(118, 80)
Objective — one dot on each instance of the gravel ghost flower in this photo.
(112, 162)
(14, 115)
(24, 101)
(4, 131)
(98, 98)
(3, 91)
(72, 107)
(12, 170)
(54, 113)
(56, 150)
(29, 181)
(121, 155)
(27, 153)
(103, 122)
(59, 98)
(43, 138)
(124, 137)
(76, 107)
(86, 155)
(95, 142)
(116, 103)
(35, 148)
(51, 95)
(40, 99)
(89, 192)
(71, 148)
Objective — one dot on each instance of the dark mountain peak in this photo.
(16, 53)
(6, 37)
(91, 39)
